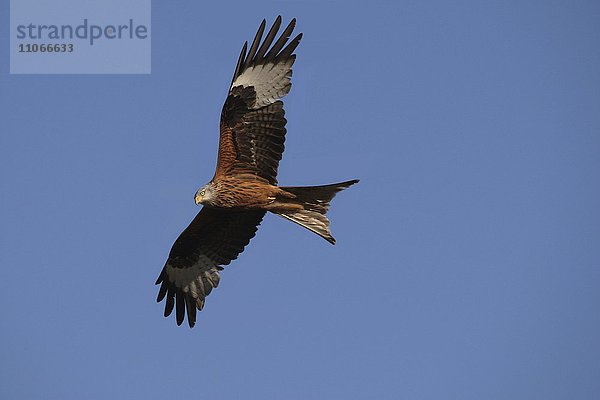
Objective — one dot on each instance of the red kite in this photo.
(244, 186)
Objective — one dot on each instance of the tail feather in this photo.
(315, 204)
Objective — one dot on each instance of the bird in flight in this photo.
(244, 187)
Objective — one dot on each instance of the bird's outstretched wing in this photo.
(252, 121)
(213, 239)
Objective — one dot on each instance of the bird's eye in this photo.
(202, 193)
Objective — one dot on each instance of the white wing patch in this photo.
(270, 81)
(198, 280)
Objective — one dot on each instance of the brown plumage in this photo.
(244, 186)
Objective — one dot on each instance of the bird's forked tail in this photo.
(314, 202)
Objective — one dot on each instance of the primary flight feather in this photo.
(244, 187)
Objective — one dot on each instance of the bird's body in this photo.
(244, 187)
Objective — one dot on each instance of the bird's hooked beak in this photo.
(198, 199)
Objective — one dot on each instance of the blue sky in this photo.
(468, 258)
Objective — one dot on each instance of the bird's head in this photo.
(204, 195)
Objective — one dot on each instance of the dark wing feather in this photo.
(253, 120)
(253, 48)
(213, 239)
